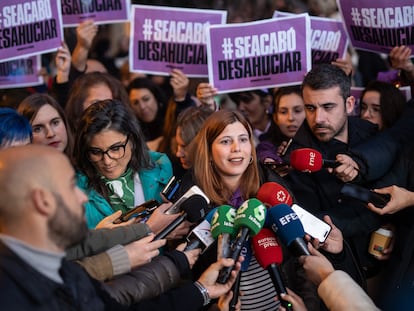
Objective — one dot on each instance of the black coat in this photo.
(24, 288)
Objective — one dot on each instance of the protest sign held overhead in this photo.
(29, 27)
(379, 25)
(268, 53)
(20, 72)
(329, 39)
(75, 12)
(165, 38)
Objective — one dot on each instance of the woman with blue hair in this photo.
(15, 129)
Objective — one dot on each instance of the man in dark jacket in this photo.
(41, 215)
(329, 130)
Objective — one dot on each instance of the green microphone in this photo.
(249, 220)
(222, 229)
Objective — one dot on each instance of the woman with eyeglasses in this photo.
(117, 170)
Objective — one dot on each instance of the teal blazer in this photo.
(153, 181)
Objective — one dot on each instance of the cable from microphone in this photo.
(192, 209)
(269, 255)
(222, 229)
(249, 219)
(200, 236)
(287, 226)
(310, 160)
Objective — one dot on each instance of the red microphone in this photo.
(269, 256)
(272, 193)
(309, 160)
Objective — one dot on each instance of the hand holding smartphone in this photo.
(365, 195)
(169, 192)
(315, 227)
(143, 210)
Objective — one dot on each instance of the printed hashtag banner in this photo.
(164, 38)
(29, 28)
(379, 25)
(267, 53)
(101, 11)
(329, 39)
(20, 72)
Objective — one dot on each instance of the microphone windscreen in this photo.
(272, 193)
(266, 248)
(223, 221)
(195, 207)
(286, 223)
(306, 160)
(251, 214)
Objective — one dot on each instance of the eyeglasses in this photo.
(114, 152)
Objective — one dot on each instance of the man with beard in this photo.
(326, 92)
(41, 214)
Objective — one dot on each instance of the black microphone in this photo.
(192, 209)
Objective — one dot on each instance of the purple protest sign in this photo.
(165, 38)
(29, 27)
(267, 53)
(20, 72)
(329, 39)
(75, 12)
(380, 25)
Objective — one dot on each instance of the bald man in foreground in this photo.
(41, 214)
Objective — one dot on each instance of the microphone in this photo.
(200, 236)
(222, 229)
(193, 209)
(272, 193)
(249, 219)
(309, 160)
(269, 256)
(289, 229)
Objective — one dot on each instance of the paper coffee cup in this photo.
(380, 240)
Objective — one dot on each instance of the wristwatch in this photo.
(203, 292)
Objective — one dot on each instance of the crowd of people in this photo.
(92, 145)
